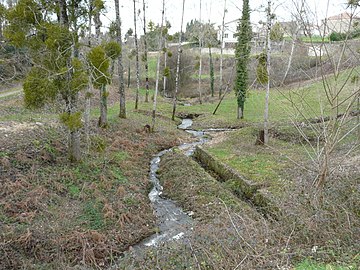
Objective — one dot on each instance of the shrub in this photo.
(336, 36)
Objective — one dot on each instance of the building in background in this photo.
(341, 23)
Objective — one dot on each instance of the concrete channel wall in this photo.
(245, 188)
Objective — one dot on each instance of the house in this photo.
(340, 23)
(230, 37)
(230, 34)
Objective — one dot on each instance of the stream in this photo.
(173, 222)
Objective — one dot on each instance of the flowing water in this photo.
(173, 222)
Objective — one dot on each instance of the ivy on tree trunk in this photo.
(242, 55)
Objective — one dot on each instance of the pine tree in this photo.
(242, 54)
(56, 71)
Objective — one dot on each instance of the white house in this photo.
(340, 23)
(230, 34)
(230, 31)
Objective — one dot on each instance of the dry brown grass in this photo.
(56, 215)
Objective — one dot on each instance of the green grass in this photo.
(256, 163)
(313, 39)
(310, 265)
(152, 63)
(92, 216)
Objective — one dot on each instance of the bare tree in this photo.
(200, 58)
(158, 67)
(222, 50)
(146, 55)
(122, 113)
(165, 67)
(137, 60)
(337, 101)
(89, 90)
(294, 32)
(268, 54)
(178, 62)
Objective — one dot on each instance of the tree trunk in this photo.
(240, 112)
(158, 68)
(98, 24)
(71, 100)
(103, 107)
(221, 51)
(64, 19)
(165, 65)
(1, 29)
(137, 61)
(178, 63)
(291, 54)
(146, 57)
(122, 113)
(74, 141)
(358, 117)
(88, 93)
(87, 110)
(212, 79)
(200, 61)
(268, 53)
(129, 75)
(103, 95)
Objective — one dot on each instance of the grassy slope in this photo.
(54, 214)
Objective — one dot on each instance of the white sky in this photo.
(213, 10)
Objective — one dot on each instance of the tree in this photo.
(146, 55)
(167, 53)
(89, 89)
(212, 75)
(56, 69)
(268, 53)
(200, 57)
(221, 49)
(2, 19)
(242, 54)
(178, 62)
(122, 113)
(100, 77)
(210, 40)
(337, 103)
(98, 6)
(277, 33)
(158, 68)
(137, 60)
(99, 58)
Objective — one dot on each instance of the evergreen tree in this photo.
(242, 54)
(52, 48)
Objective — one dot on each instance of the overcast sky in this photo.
(212, 11)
